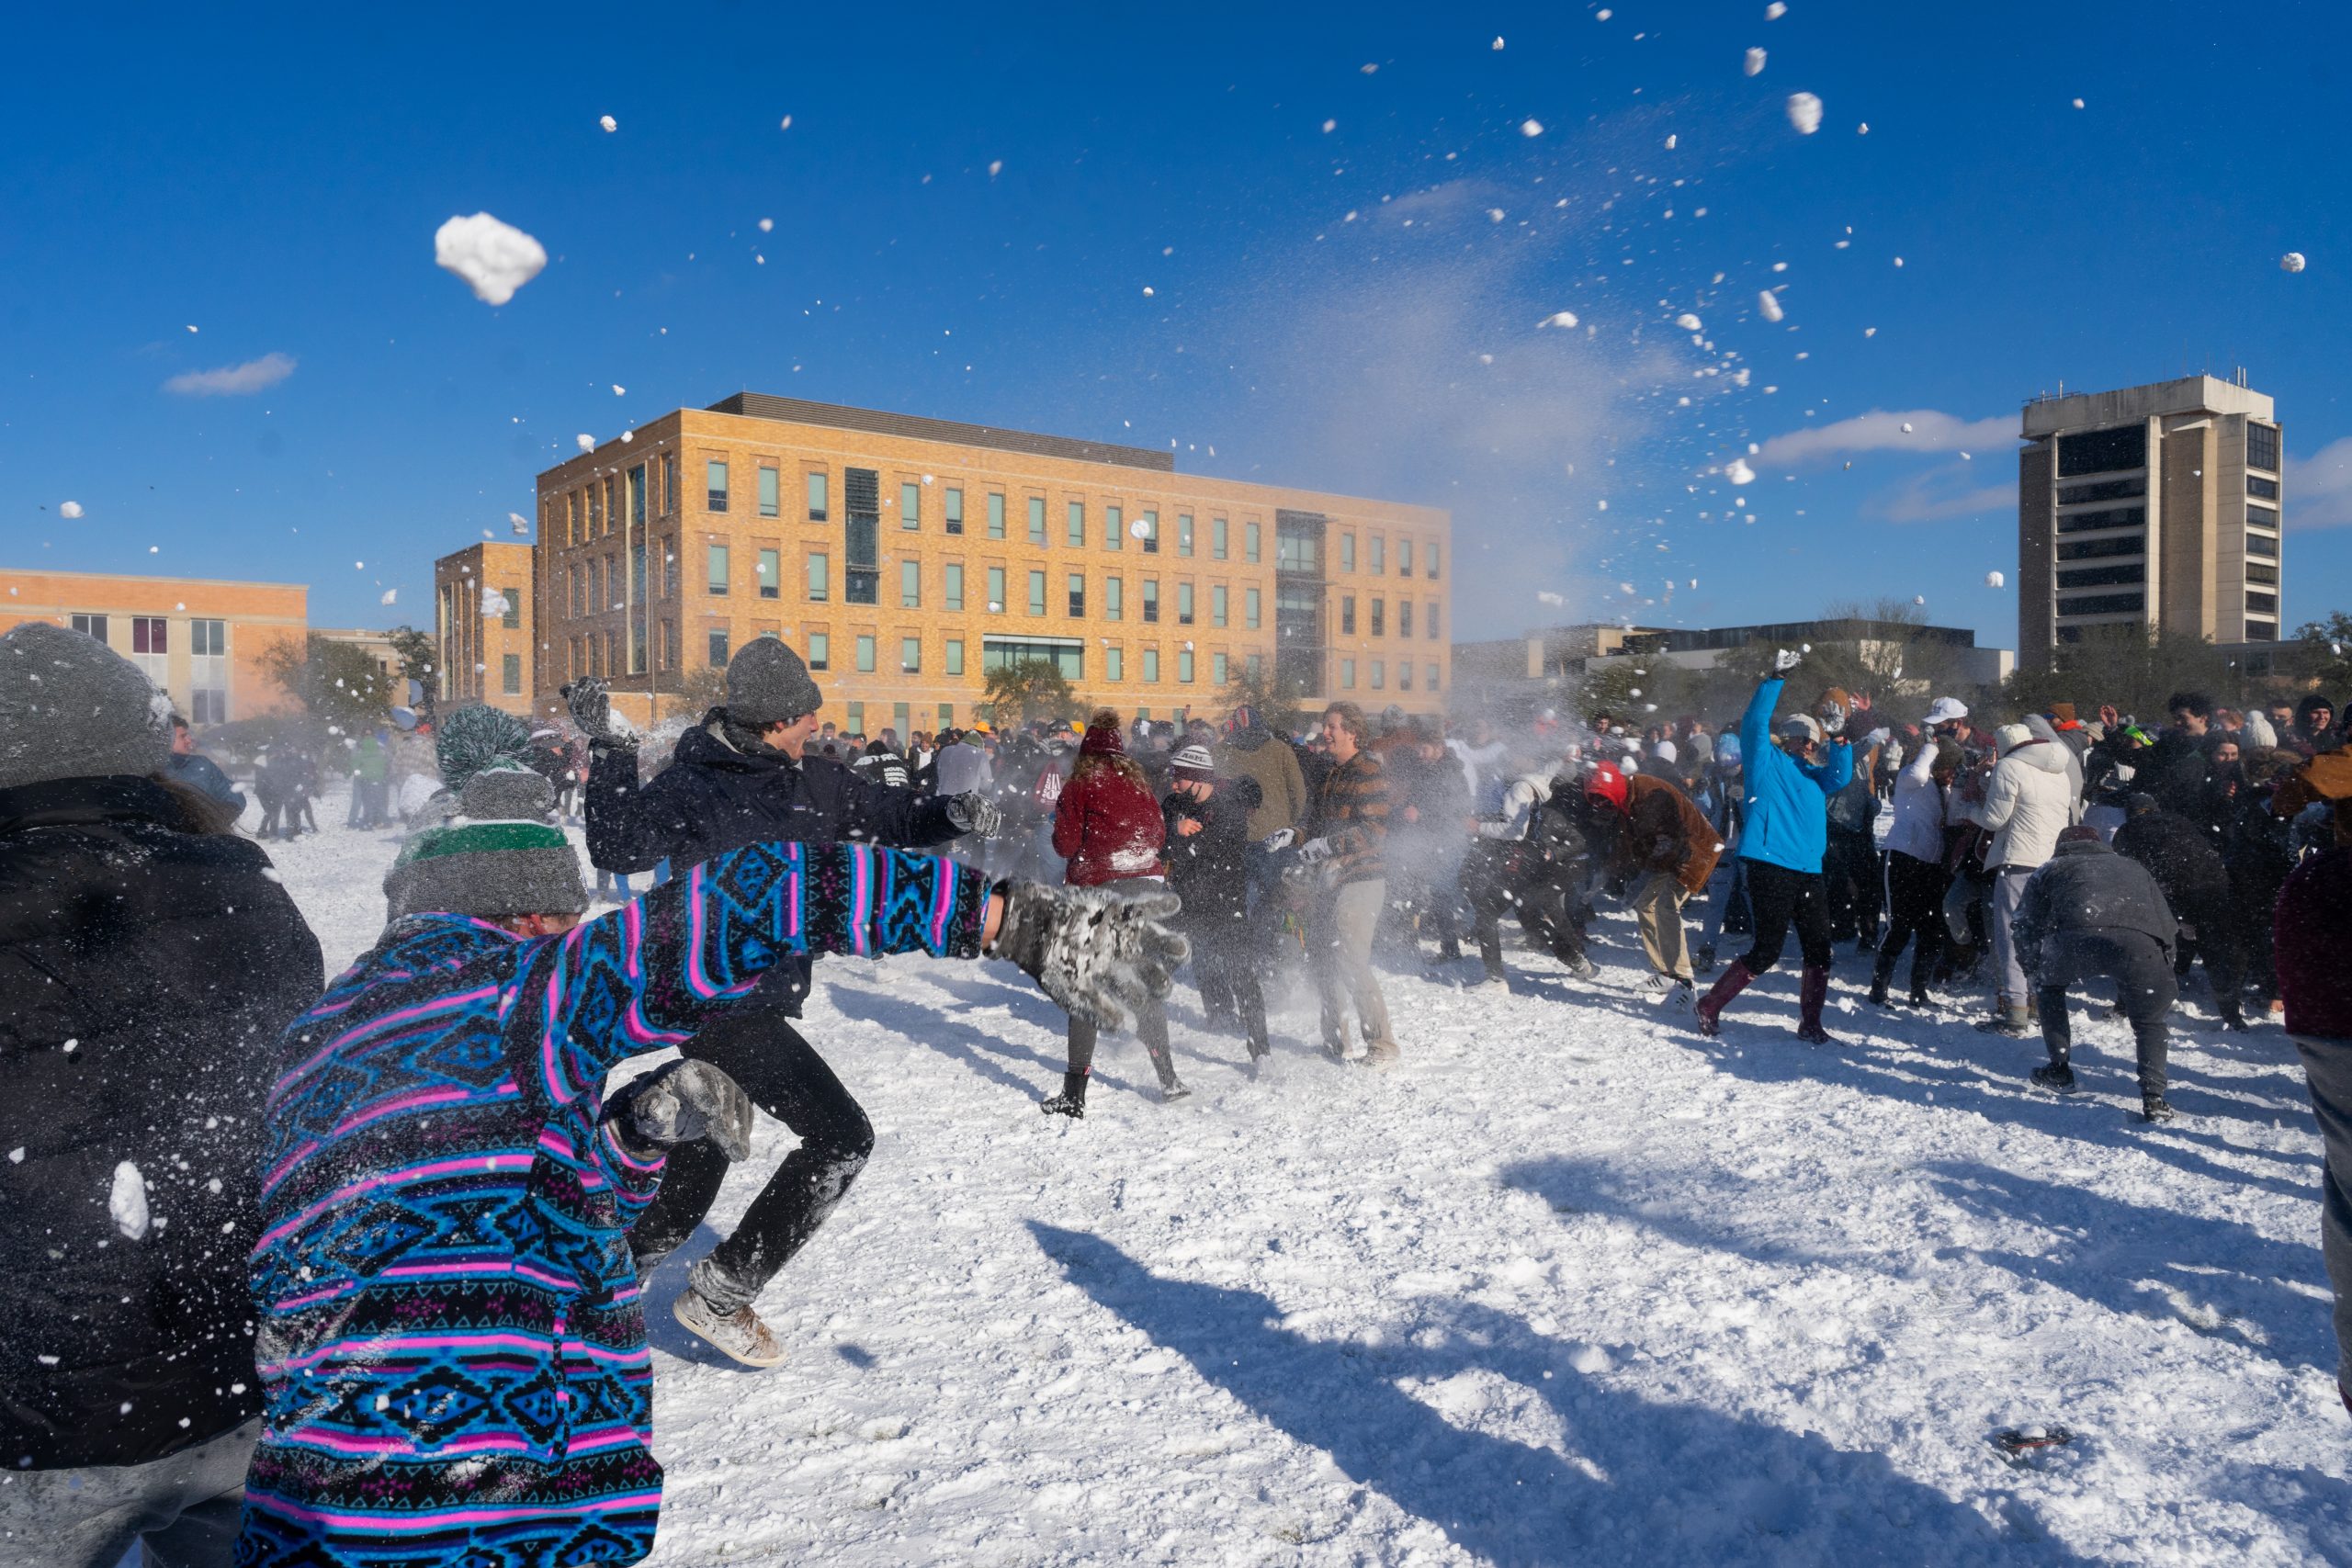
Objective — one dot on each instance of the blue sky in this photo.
(276, 180)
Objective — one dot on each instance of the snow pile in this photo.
(1804, 113)
(495, 258)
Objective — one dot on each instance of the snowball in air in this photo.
(587, 442)
(1739, 472)
(520, 523)
(1775, 11)
(1557, 318)
(767, 225)
(619, 390)
(495, 258)
(1907, 427)
(391, 596)
(1687, 321)
(1669, 143)
(1995, 579)
(1531, 128)
(1499, 42)
(1919, 597)
(2078, 102)
(609, 123)
(1770, 304)
(1754, 64)
(1329, 126)
(126, 1202)
(1804, 113)
(70, 509)
(2292, 261)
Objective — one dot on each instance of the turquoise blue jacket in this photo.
(1787, 801)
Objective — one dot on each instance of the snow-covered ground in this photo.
(1569, 1286)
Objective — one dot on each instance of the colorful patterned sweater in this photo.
(452, 1353)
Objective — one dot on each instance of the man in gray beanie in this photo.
(72, 708)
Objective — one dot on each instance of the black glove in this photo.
(679, 1103)
(590, 699)
(973, 812)
(1098, 952)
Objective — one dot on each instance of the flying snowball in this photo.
(520, 523)
(1687, 321)
(70, 509)
(392, 596)
(1557, 318)
(127, 1201)
(1531, 128)
(2292, 261)
(1498, 41)
(1804, 113)
(1770, 304)
(1919, 597)
(495, 258)
(609, 123)
(587, 442)
(1775, 11)
(1329, 126)
(1739, 472)
(767, 225)
(1754, 64)
(494, 603)
(619, 390)
(1548, 597)
(1669, 143)
(996, 167)
(2078, 102)
(1907, 427)
(1996, 580)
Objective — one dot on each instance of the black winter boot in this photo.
(1071, 1102)
(2155, 1108)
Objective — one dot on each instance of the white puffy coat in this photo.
(1918, 828)
(2028, 803)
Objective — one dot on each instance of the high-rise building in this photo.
(2155, 506)
(906, 558)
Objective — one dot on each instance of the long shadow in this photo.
(1653, 1485)
(2122, 1255)
(985, 1054)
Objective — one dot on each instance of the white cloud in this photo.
(1915, 430)
(495, 258)
(233, 380)
(2319, 488)
(1938, 494)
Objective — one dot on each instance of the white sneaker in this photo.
(739, 1334)
(1682, 997)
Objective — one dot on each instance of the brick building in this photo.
(906, 557)
(485, 599)
(201, 640)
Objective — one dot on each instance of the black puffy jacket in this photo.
(1207, 869)
(2180, 855)
(145, 969)
(712, 798)
(2085, 886)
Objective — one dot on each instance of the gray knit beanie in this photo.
(72, 708)
(767, 684)
(501, 858)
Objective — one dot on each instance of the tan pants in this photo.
(1340, 941)
(1657, 905)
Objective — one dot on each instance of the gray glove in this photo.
(973, 812)
(1785, 660)
(1279, 840)
(679, 1103)
(1099, 953)
(1313, 852)
(590, 699)
(1833, 718)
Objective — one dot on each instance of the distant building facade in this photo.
(2155, 506)
(201, 641)
(485, 600)
(907, 557)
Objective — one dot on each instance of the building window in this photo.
(910, 655)
(2258, 545)
(2261, 516)
(1432, 575)
(1184, 665)
(1037, 520)
(717, 564)
(1380, 617)
(510, 675)
(2102, 451)
(1183, 533)
(2106, 517)
(669, 484)
(1347, 552)
(1148, 526)
(1431, 619)
(2262, 631)
(995, 590)
(2267, 489)
(719, 648)
(953, 584)
(821, 650)
(1111, 606)
(770, 574)
(1216, 538)
(2261, 446)
(1404, 674)
(910, 585)
(1184, 604)
(1404, 569)
(900, 724)
(511, 616)
(946, 714)
(1037, 593)
(1347, 615)
(147, 634)
(1255, 665)
(820, 490)
(2103, 604)
(1066, 654)
(1077, 596)
(1379, 675)
(952, 510)
(1249, 541)
(1404, 617)
(866, 653)
(1115, 664)
(1249, 606)
(1151, 666)
(2255, 571)
(996, 516)
(820, 585)
(910, 506)
(854, 720)
(669, 644)
(1378, 548)
(955, 656)
(1431, 684)
(771, 494)
(1074, 524)
(1218, 668)
(2093, 549)
(2262, 603)
(1219, 600)
(1347, 674)
(575, 580)
(1150, 601)
(1115, 525)
(2105, 490)
(715, 481)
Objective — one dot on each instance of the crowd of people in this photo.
(374, 1291)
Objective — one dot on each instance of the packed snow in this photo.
(1567, 1286)
(495, 258)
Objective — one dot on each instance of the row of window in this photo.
(150, 646)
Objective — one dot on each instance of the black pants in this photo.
(1502, 877)
(2143, 984)
(1229, 981)
(759, 1049)
(1916, 898)
(1783, 898)
(1851, 870)
(2218, 941)
(1151, 1028)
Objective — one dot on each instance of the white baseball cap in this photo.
(1944, 710)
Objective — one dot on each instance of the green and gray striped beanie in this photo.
(501, 857)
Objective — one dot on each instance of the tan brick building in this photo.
(198, 640)
(906, 557)
(484, 600)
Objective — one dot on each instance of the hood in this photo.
(706, 747)
(2051, 756)
(2308, 706)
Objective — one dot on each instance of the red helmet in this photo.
(1607, 782)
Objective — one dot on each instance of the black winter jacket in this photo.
(712, 798)
(2180, 855)
(144, 971)
(1206, 869)
(2085, 886)
(2174, 771)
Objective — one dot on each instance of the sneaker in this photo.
(1381, 1056)
(1655, 986)
(2152, 1108)
(1681, 996)
(2002, 1023)
(1067, 1105)
(739, 1334)
(1171, 1092)
(2055, 1077)
(1582, 967)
